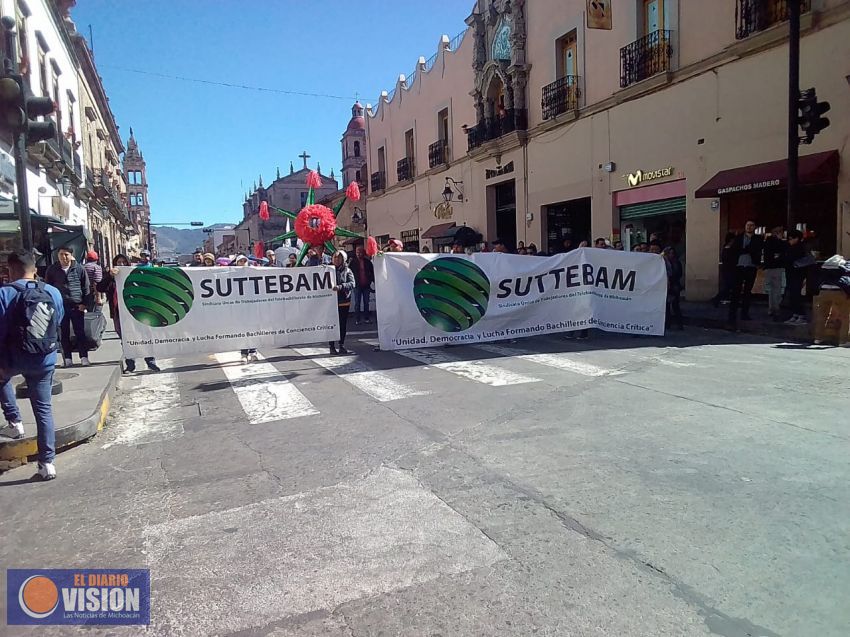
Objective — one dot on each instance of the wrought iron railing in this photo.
(752, 16)
(438, 153)
(646, 57)
(404, 169)
(455, 42)
(560, 96)
(379, 181)
(510, 121)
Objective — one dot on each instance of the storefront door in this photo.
(567, 219)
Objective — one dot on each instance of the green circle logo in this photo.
(451, 293)
(158, 297)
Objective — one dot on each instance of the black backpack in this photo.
(33, 320)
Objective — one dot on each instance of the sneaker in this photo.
(252, 357)
(367, 320)
(343, 351)
(68, 362)
(84, 361)
(817, 341)
(792, 321)
(13, 430)
(332, 349)
(153, 366)
(130, 365)
(245, 360)
(46, 470)
(357, 321)
(802, 320)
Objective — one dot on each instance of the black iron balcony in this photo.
(404, 169)
(560, 96)
(645, 57)
(507, 122)
(90, 179)
(752, 16)
(67, 153)
(379, 181)
(438, 153)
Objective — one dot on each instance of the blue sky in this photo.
(201, 141)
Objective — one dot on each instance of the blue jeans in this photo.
(40, 384)
(361, 298)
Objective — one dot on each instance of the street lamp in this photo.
(451, 188)
(64, 186)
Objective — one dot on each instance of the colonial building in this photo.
(288, 193)
(352, 215)
(135, 173)
(104, 189)
(48, 65)
(666, 117)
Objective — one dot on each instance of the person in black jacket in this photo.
(70, 278)
(344, 286)
(364, 277)
(774, 269)
(797, 263)
(746, 252)
(727, 270)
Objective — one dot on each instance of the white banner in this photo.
(426, 300)
(180, 311)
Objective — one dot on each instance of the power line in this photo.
(246, 87)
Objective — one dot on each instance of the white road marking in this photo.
(562, 361)
(479, 371)
(305, 552)
(376, 384)
(264, 394)
(148, 410)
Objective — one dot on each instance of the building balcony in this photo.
(508, 122)
(379, 181)
(438, 153)
(752, 16)
(643, 58)
(560, 96)
(404, 169)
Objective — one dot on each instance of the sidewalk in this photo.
(79, 411)
(704, 314)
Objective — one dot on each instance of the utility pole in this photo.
(793, 103)
(19, 147)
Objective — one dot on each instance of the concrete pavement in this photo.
(692, 485)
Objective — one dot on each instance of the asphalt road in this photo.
(690, 485)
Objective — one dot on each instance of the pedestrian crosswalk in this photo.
(304, 381)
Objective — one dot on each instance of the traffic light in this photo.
(810, 120)
(38, 131)
(19, 110)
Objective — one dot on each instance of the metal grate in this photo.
(560, 96)
(645, 57)
(752, 16)
(378, 181)
(404, 169)
(456, 41)
(438, 153)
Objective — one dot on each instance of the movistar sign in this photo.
(640, 176)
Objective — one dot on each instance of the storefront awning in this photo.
(819, 168)
(440, 231)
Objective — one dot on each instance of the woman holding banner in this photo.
(344, 286)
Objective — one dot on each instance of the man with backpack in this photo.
(30, 315)
(70, 278)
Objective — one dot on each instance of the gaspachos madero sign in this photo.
(176, 311)
(429, 300)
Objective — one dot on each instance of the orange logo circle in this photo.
(38, 596)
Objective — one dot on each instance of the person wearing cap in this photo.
(150, 361)
(395, 245)
(95, 274)
(272, 257)
(344, 286)
(197, 260)
(209, 260)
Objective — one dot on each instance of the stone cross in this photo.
(305, 157)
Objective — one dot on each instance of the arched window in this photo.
(357, 149)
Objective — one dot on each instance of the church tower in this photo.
(354, 149)
(137, 191)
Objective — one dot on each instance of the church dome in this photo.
(358, 122)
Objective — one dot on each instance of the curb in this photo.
(16, 452)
